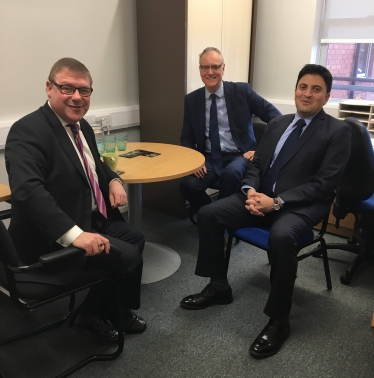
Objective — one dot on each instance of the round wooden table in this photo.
(4, 192)
(173, 162)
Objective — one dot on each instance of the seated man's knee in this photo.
(233, 172)
(282, 242)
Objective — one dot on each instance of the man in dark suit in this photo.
(287, 187)
(232, 144)
(62, 194)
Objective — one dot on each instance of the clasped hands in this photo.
(258, 203)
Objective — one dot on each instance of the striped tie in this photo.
(95, 186)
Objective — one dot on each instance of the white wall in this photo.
(34, 34)
(218, 23)
(287, 37)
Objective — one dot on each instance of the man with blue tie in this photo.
(288, 187)
(218, 123)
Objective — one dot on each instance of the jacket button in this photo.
(88, 191)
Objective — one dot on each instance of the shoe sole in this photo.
(135, 332)
(220, 302)
(259, 356)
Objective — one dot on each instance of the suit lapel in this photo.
(200, 106)
(276, 134)
(316, 123)
(63, 139)
(230, 106)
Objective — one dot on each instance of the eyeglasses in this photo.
(215, 67)
(70, 90)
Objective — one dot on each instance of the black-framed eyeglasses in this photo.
(215, 67)
(69, 89)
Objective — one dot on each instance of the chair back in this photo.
(357, 181)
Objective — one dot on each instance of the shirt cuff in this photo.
(66, 239)
(245, 188)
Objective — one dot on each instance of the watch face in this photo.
(276, 205)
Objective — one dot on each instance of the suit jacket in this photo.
(241, 102)
(307, 180)
(50, 191)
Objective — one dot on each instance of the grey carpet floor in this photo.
(331, 333)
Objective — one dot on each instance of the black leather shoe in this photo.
(208, 297)
(94, 324)
(133, 323)
(271, 338)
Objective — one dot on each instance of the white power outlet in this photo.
(105, 121)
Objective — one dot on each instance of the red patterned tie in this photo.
(95, 186)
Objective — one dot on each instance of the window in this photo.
(347, 47)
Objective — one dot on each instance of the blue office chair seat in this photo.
(259, 237)
(361, 206)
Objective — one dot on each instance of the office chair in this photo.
(258, 129)
(259, 237)
(354, 194)
(28, 296)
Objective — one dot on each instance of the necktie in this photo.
(214, 137)
(94, 184)
(272, 173)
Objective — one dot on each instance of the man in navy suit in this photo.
(235, 104)
(290, 195)
(63, 194)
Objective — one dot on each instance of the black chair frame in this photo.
(18, 292)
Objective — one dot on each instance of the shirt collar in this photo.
(307, 120)
(63, 123)
(219, 92)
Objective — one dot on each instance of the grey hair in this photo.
(207, 49)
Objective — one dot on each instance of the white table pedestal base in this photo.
(159, 262)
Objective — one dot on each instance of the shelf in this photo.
(359, 109)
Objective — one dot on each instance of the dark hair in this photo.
(316, 69)
(72, 65)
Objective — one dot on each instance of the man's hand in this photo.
(249, 155)
(201, 172)
(258, 203)
(93, 244)
(117, 194)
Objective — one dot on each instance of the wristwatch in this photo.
(119, 180)
(276, 205)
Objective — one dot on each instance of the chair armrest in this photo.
(56, 256)
(68, 252)
(5, 214)
(61, 254)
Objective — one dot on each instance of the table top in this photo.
(174, 162)
(4, 192)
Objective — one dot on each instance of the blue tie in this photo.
(273, 172)
(214, 137)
